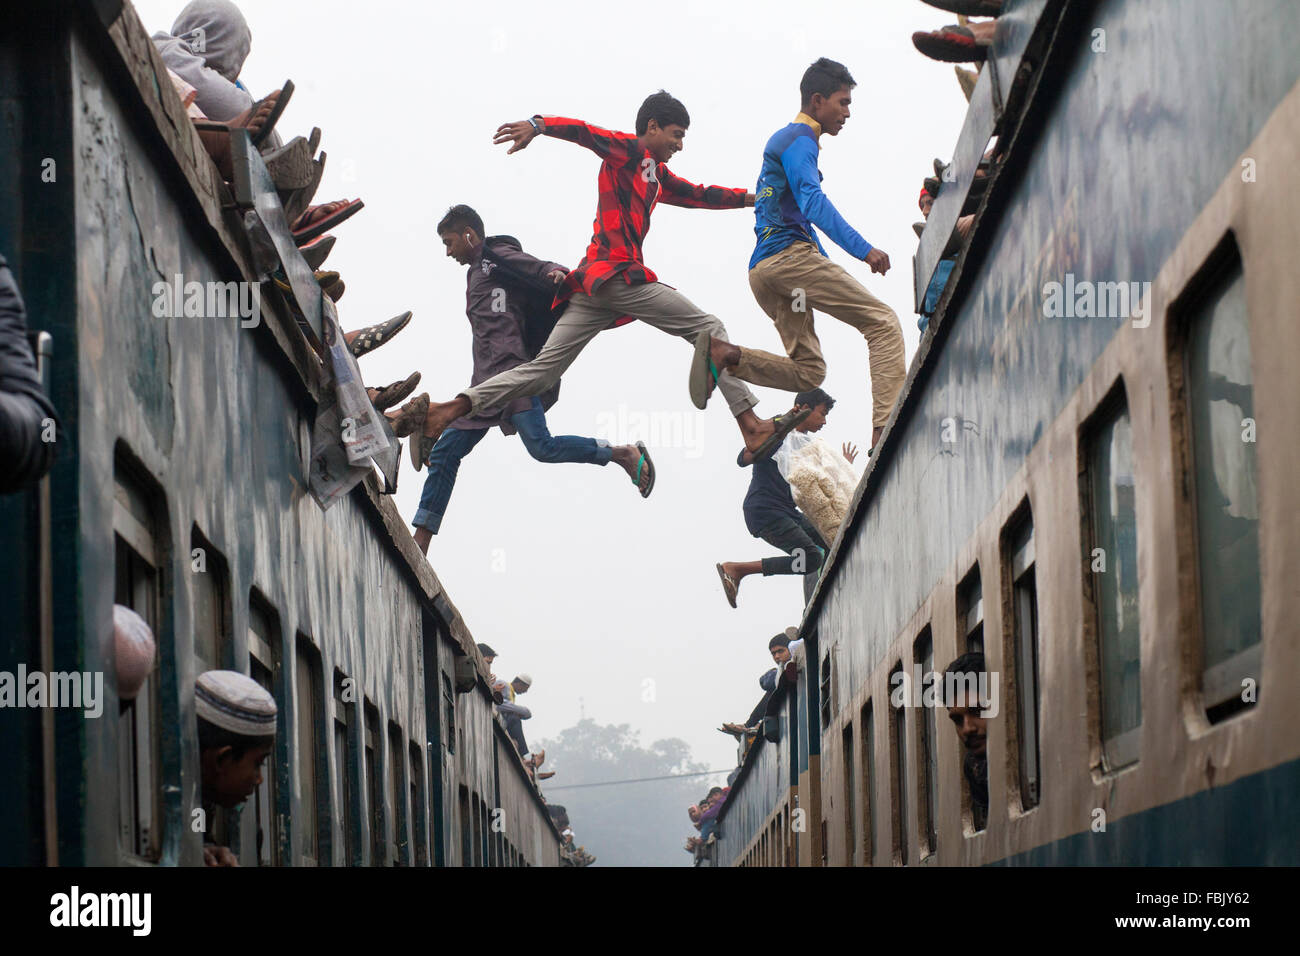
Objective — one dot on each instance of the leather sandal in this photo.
(315, 253)
(390, 395)
(373, 336)
(410, 417)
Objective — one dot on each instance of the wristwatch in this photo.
(534, 122)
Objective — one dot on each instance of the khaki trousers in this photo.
(789, 285)
(653, 303)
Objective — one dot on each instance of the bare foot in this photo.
(627, 456)
(875, 435)
(422, 538)
(442, 414)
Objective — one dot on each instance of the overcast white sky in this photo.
(605, 599)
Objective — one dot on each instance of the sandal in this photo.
(784, 426)
(421, 448)
(291, 166)
(390, 395)
(319, 220)
(650, 466)
(729, 586)
(373, 336)
(702, 370)
(286, 92)
(410, 416)
(314, 253)
(952, 44)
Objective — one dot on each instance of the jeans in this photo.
(797, 537)
(938, 282)
(454, 444)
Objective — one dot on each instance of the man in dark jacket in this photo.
(27, 421)
(501, 299)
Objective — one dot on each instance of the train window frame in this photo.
(215, 574)
(1218, 686)
(1020, 602)
(927, 755)
(266, 803)
(418, 786)
(850, 795)
(824, 688)
(142, 555)
(970, 610)
(898, 772)
(1122, 751)
(312, 763)
(868, 734)
(344, 765)
(399, 846)
(372, 746)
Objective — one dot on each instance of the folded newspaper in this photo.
(349, 433)
(821, 481)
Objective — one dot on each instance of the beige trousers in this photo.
(653, 303)
(789, 285)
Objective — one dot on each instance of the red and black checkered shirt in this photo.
(631, 182)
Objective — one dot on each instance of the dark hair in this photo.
(483, 648)
(715, 790)
(970, 663)
(664, 109)
(814, 397)
(779, 641)
(211, 736)
(458, 217)
(824, 77)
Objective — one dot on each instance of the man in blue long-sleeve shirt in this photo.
(789, 272)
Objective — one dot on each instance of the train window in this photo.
(898, 768)
(466, 829)
(210, 584)
(344, 707)
(850, 801)
(1220, 422)
(399, 845)
(419, 834)
(1112, 568)
(371, 752)
(927, 760)
(824, 689)
(970, 611)
(309, 721)
(264, 667)
(140, 556)
(448, 715)
(477, 830)
(1018, 558)
(868, 783)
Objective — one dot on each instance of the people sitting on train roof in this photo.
(709, 816)
(29, 425)
(236, 719)
(968, 720)
(207, 47)
(963, 42)
(514, 714)
(770, 512)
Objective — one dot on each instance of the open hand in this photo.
(850, 452)
(218, 856)
(520, 133)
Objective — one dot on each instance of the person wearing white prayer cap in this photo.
(236, 718)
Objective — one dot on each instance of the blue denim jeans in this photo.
(454, 444)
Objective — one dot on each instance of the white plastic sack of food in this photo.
(822, 484)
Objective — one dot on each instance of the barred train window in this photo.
(399, 849)
(308, 726)
(140, 557)
(1221, 414)
(1019, 559)
(850, 804)
(926, 757)
(417, 806)
(898, 770)
(210, 580)
(373, 796)
(343, 720)
(1112, 561)
(264, 667)
(970, 612)
(868, 783)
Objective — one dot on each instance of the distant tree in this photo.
(628, 824)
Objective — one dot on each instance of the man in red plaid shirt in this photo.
(612, 285)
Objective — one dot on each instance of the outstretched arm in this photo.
(683, 192)
(528, 269)
(800, 164)
(606, 144)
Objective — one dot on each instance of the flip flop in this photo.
(319, 225)
(373, 336)
(784, 426)
(286, 92)
(650, 465)
(729, 586)
(314, 253)
(702, 368)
